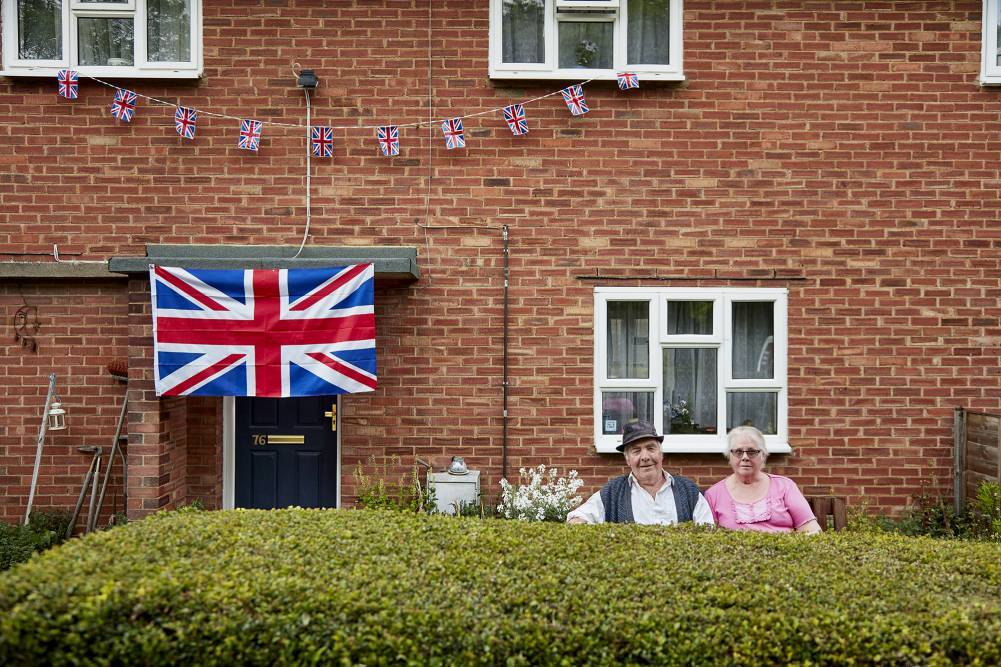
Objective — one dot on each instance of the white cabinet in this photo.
(453, 490)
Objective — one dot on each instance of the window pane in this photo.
(618, 408)
(586, 44)
(105, 41)
(522, 28)
(689, 317)
(628, 339)
(752, 408)
(40, 29)
(168, 31)
(753, 340)
(648, 41)
(690, 390)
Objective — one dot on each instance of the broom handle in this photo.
(38, 446)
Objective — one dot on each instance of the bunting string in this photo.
(575, 109)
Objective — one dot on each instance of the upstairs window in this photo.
(585, 39)
(693, 362)
(990, 65)
(102, 38)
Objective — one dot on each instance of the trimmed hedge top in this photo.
(329, 586)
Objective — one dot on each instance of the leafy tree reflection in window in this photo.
(40, 29)
(168, 36)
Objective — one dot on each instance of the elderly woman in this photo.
(752, 499)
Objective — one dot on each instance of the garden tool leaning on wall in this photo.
(120, 371)
(39, 444)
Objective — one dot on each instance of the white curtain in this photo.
(522, 27)
(753, 358)
(648, 41)
(586, 44)
(628, 345)
(690, 376)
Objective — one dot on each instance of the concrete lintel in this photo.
(64, 270)
(391, 262)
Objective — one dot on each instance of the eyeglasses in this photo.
(739, 453)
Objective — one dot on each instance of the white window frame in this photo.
(990, 71)
(72, 11)
(550, 68)
(720, 339)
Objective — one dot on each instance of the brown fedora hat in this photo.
(638, 431)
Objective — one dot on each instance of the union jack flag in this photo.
(250, 134)
(628, 80)
(322, 139)
(574, 97)
(263, 332)
(184, 122)
(69, 83)
(389, 139)
(515, 117)
(124, 105)
(452, 129)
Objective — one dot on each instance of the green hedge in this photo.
(18, 542)
(306, 586)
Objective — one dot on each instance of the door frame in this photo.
(229, 452)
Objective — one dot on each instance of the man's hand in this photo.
(576, 519)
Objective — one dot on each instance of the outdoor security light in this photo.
(307, 80)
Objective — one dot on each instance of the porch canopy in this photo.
(392, 263)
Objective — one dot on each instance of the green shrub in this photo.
(986, 511)
(405, 495)
(935, 516)
(18, 543)
(377, 587)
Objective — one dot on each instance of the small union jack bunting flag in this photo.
(389, 139)
(628, 80)
(574, 97)
(250, 134)
(69, 83)
(322, 140)
(124, 105)
(515, 117)
(452, 129)
(184, 122)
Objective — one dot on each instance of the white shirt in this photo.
(659, 510)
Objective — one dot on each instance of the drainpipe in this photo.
(504, 382)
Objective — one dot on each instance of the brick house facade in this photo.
(844, 152)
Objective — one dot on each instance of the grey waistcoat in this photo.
(616, 496)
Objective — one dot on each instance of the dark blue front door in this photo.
(286, 452)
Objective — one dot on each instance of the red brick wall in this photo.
(845, 143)
(158, 428)
(68, 317)
(204, 451)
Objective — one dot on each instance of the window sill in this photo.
(989, 81)
(580, 75)
(104, 72)
(695, 444)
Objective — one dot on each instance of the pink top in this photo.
(782, 510)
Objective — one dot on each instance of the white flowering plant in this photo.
(539, 495)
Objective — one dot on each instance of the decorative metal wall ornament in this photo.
(26, 326)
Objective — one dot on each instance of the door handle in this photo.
(332, 413)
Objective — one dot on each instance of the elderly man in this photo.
(648, 494)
